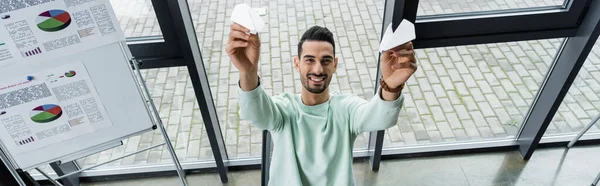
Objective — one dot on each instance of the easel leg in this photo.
(50, 179)
(6, 167)
(160, 124)
(28, 179)
(583, 131)
(596, 180)
(173, 155)
(66, 168)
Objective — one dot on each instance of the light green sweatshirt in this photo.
(313, 144)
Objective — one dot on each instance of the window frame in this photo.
(508, 25)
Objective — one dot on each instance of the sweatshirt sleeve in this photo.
(262, 111)
(373, 115)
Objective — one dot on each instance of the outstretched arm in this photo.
(397, 65)
(374, 115)
(256, 106)
(262, 111)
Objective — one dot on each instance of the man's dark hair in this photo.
(316, 33)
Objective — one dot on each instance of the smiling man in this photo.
(314, 132)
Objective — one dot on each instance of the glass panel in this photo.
(582, 102)
(437, 7)
(173, 94)
(137, 18)
(474, 92)
(356, 31)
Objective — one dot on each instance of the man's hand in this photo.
(244, 49)
(397, 65)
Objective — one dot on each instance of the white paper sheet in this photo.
(38, 30)
(55, 105)
(403, 34)
(244, 15)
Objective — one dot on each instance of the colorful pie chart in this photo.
(53, 20)
(45, 113)
(71, 73)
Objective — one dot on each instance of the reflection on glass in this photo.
(437, 7)
(174, 96)
(137, 18)
(473, 92)
(582, 102)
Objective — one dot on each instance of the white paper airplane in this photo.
(244, 15)
(403, 34)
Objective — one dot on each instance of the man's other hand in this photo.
(243, 49)
(398, 64)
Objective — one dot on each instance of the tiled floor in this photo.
(555, 167)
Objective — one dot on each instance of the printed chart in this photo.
(53, 20)
(35, 51)
(71, 73)
(46, 113)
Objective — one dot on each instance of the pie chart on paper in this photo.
(45, 113)
(53, 20)
(71, 73)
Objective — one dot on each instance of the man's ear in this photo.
(296, 61)
(335, 63)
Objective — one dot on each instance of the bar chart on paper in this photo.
(32, 52)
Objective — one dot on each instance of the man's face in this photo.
(316, 65)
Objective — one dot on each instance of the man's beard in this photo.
(316, 90)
